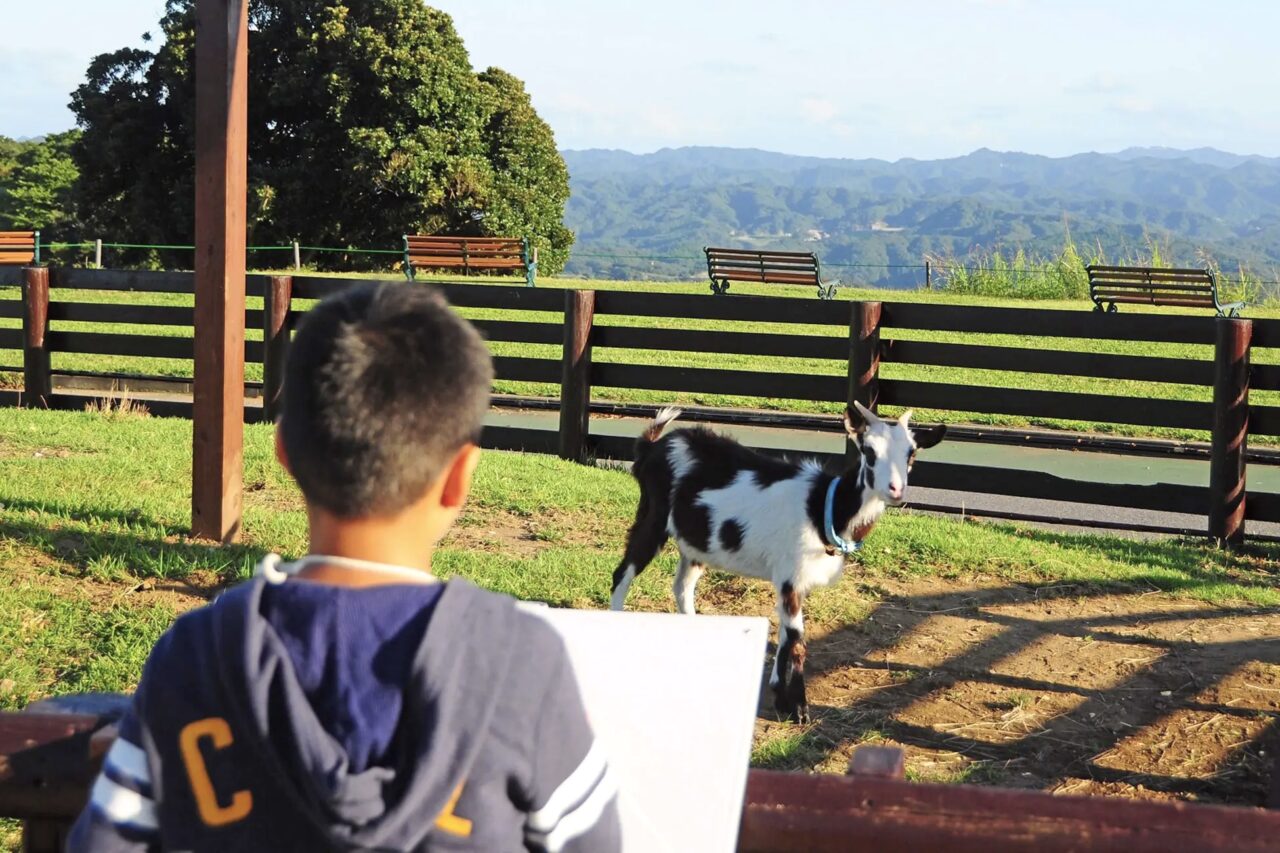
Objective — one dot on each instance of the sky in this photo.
(844, 78)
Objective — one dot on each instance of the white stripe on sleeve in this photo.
(122, 806)
(129, 760)
(571, 790)
(585, 816)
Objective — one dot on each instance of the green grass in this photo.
(890, 370)
(96, 563)
(93, 512)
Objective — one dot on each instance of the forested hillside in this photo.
(873, 215)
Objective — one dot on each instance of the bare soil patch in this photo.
(1073, 689)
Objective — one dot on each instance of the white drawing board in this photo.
(673, 698)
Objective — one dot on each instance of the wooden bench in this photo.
(19, 248)
(726, 265)
(1189, 288)
(483, 255)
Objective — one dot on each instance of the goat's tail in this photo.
(657, 425)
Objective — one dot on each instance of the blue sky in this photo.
(911, 78)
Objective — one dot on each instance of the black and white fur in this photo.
(731, 507)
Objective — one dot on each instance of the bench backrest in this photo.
(469, 254)
(767, 267)
(1191, 288)
(19, 248)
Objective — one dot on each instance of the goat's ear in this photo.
(928, 436)
(857, 418)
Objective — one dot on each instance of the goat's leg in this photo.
(687, 575)
(647, 536)
(790, 697)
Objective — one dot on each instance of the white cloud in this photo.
(1096, 84)
(818, 110)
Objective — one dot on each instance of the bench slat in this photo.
(748, 263)
(1176, 303)
(1134, 285)
(1104, 268)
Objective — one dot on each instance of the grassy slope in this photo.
(890, 370)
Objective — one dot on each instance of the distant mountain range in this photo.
(650, 215)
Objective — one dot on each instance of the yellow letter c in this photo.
(217, 730)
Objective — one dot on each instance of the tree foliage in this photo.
(366, 121)
(36, 180)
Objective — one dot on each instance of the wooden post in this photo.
(297, 257)
(1230, 430)
(218, 408)
(37, 382)
(97, 253)
(928, 276)
(864, 362)
(575, 374)
(275, 341)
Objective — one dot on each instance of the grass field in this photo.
(1010, 378)
(93, 511)
(96, 564)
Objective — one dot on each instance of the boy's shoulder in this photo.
(498, 614)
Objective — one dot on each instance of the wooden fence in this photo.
(48, 762)
(583, 322)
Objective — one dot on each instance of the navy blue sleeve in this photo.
(121, 813)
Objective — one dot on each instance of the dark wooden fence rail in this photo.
(857, 341)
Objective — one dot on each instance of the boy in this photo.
(349, 700)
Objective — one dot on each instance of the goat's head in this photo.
(888, 449)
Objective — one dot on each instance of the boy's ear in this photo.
(281, 456)
(457, 479)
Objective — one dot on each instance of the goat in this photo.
(792, 524)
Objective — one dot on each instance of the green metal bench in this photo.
(1110, 286)
(726, 265)
(470, 255)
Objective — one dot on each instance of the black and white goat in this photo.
(793, 524)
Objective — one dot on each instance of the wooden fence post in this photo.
(1230, 430)
(276, 329)
(864, 361)
(575, 374)
(97, 253)
(297, 257)
(217, 411)
(928, 276)
(37, 382)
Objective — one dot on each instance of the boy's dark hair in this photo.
(384, 384)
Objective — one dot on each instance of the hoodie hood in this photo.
(450, 696)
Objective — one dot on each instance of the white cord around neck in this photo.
(275, 570)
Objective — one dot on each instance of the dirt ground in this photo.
(1062, 688)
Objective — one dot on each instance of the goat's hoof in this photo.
(789, 713)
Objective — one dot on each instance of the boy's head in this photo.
(384, 388)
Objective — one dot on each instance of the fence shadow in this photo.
(167, 557)
(1073, 688)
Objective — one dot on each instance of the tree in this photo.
(36, 180)
(366, 121)
(531, 182)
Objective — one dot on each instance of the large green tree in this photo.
(366, 121)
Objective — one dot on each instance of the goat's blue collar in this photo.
(834, 539)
